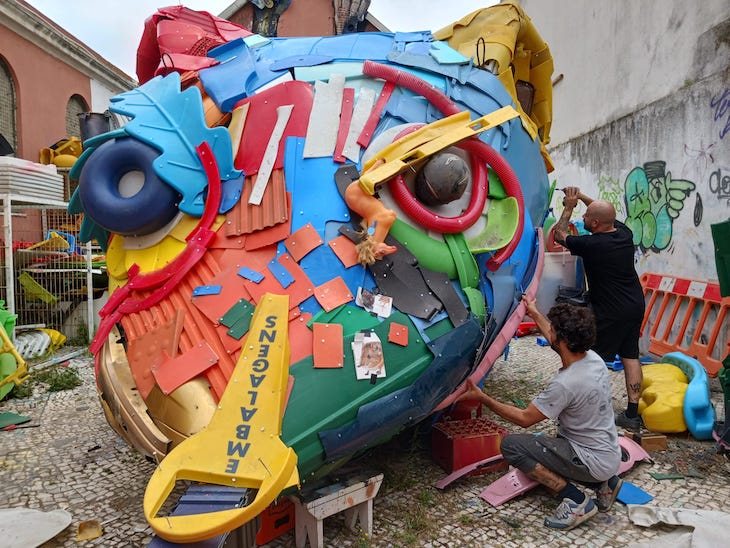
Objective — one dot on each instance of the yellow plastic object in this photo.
(54, 242)
(21, 373)
(58, 339)
(120, 256)
(240, 447)
(35, 291)
(64, 153)
(427, 141)
(503, 39)
(662, 398)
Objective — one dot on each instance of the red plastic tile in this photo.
(398, 334)
(299, 290)
(327, 345)
(302, 242)
(232, 290)
(345, 250)
(300, 338)
(333, 293)
(171, 373)
(141, 350)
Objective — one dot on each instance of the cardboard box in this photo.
(458, 443)
(651, 441)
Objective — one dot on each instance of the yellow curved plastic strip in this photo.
(427, 141)
(240, 447)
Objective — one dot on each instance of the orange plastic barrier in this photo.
(688, 316)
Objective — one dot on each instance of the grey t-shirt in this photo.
(579, 396)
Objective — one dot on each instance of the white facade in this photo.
(641, 117)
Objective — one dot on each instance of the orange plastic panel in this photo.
(398, 334)
(332, 294)
(327, 345)
(302, 242)
(271, 235)
(171, 373)
(345, 250)
(300, 338)
(245, 218)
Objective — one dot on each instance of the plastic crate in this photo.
(459, 443)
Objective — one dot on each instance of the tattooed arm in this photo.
(562, 227)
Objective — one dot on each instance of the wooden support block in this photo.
(651, 441)
(353, 496)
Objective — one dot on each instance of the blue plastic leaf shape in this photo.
(174, 122)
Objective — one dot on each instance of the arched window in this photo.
(8, 109)
(75, 106)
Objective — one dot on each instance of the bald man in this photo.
(615, 291)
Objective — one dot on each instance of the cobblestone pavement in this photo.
(72, 460)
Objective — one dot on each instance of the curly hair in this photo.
(573, 324)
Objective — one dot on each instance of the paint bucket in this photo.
(92, 124)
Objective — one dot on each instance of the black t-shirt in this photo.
(608, 259)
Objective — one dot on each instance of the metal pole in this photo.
(89, 294)
(9, 268)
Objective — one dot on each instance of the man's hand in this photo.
(531, 307)
(572, 195)
(472, 392)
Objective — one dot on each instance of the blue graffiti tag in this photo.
(722, 108)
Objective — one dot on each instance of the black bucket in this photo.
(92, 124)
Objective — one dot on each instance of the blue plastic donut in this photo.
(146, 211)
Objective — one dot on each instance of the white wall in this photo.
(619, 55)
(642, 118)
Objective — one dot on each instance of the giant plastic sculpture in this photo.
(253, 337)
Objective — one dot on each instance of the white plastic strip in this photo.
(363, 108)
(272, 149)
(324, 120)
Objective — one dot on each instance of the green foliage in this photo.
(58, 378)
(54, 379)
(22, 391)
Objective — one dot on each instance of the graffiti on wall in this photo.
(653, 200)
(721, 107)
(610, 190)
(719, 185)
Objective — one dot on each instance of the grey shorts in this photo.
(525, 451)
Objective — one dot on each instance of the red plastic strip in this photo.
(261, 119)
(172, 273)
(368, 129)
(413, 83)
(348, 105)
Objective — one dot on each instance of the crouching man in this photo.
(586, 449)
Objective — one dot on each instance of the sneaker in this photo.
(634, 424)
(606, 495)
(570, 514)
